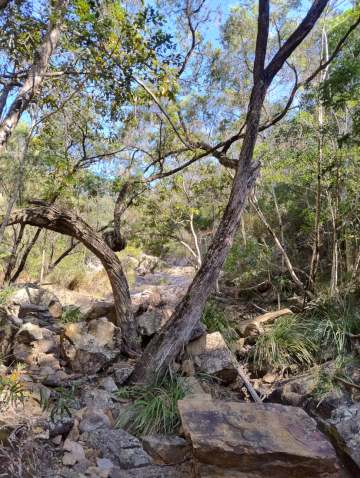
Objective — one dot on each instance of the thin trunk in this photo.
(11, 263)
(25, 256)
(315, 257)
(195, 237)
(36, 75)
(281, 227)
(278, 244)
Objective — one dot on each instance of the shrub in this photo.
(70, 315)
(215, 321)
(285, 343)
(154, 409)
(11, 390)
(6, 293)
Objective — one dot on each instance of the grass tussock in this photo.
(320, 333)
(154, 408)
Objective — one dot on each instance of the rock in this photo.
(147, 264)
(104, 463)
(99, 309)
(108, 384)
(188, 368)
(155, 471)
(167, 449)
(90, 346)
(255, 326)
(122, 371)
(32, 294)
(193, 388)
(344, 429)
(123, 449)
(212, 356)
(96, 398)
(151, 321)
(93, 420)
(260, 438)
(75, 453)
(294, 391)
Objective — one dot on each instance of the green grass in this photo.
(214, 319)
(329, 323)
(154, 409)
(6, 293)
(284, 344)
(70, 315)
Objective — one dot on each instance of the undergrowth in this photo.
(6, 293)
(11, 390)
(286, 343)
(154, 408)
(320, 333)
(70, 315)
(214, 320)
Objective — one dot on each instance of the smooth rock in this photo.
(266, 439)
(167, 449)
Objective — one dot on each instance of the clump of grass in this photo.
(6, 293)
(154, 409)
(70, 315)
(284, 344)
(11, 390)
(214, 319)
(58, 402)
(330, 323)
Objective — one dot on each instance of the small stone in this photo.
(93, 420)
(108, 384)
(57, 440)
(122, 372)
(170, 450)
(76, 452)
(104, 463)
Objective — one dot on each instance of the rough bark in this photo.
(66, 222)
(36, 75)
(164, 347)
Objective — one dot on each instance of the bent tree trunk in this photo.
(165, 347)
(66, 222)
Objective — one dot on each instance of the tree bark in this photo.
(165, 346)
(66, 222)
(36, 75)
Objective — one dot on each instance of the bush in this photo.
(286, 343)
(6, 293)
(154, 409)
(70, 315)
(329, 323)
(215, 321)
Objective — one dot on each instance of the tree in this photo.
(162, 350)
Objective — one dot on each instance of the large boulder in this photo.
(212, 356)
(250, 440)
(90, 345)
(344, 429)
(32, 294)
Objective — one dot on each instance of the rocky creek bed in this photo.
(222, 432)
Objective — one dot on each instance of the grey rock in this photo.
(212, 356)
(123, 449)
(94, 419)
(122, 371)
(108, 384)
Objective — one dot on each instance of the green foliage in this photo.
(214, 319)
(11, 390)
(70, 315)
(329, 323)
(59, 402)
(6, 293)
(284, 344)
(154, 409)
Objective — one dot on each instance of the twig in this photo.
(248, 385)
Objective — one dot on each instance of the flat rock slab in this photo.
(258, 439)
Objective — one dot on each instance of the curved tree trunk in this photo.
(66, 222)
